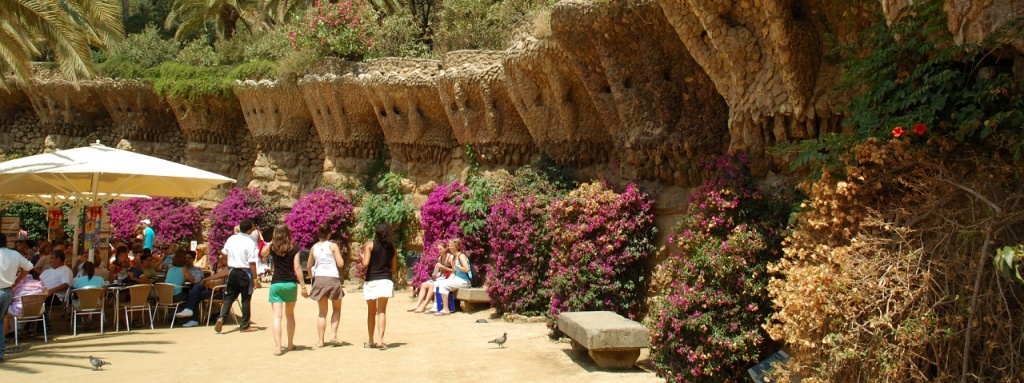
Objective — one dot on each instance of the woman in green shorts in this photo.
(286, 282)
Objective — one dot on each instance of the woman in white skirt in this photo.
(459, 279)
(325, 269)
(380, 259)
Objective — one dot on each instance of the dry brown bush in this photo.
(888, 273)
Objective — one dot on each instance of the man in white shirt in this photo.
(241, 257)
(13, 267)
(57, 279)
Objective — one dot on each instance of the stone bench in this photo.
(473, 295)
(612, 341)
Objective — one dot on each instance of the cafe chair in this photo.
(33, 303)
(90, 302)
(215, 300)
(165, 300)
(138, 301)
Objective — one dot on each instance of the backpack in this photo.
(475, 280)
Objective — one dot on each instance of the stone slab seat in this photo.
(473, 295)
(613, 341)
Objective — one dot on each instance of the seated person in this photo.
(442, 270)
(149, 266)
(121, 263)
(28, 285)
(197, 294)
(88, 277)
(178, 274)
(57, 279)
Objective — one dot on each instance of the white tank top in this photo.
(325, 265)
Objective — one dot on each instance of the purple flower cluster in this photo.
(313, 209)
(600, 240)
(440, 217)
(707, 327)
(520, 244)
(174, 220)
(240, 204)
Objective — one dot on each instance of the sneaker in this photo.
(190, 323)
(184, 313)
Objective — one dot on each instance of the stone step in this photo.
(473, 295)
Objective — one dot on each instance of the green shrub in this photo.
(189, 82)
(254, 70)
(397, 35)
(915, 73)
(197, 53)
(333, 29)
(136, 53)
(480, 24)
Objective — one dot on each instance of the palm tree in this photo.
(68, 27)
(256, 15)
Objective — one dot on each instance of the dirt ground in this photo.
(423, 348)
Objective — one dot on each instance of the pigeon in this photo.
(97, 363)
(500, 341)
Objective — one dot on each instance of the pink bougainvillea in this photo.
(318, 207)
(521, 248)
(174, 220)
(334, 29)
(239, 205)
(439, 217)
(600, 240)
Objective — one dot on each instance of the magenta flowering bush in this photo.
(440, 219)
(520, 243)
(334, 29)
(240, 204)
(174, 220)
(320, 206)
(600, 240)
(708, 326)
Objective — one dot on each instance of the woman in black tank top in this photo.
(380, 259)
(284, 284)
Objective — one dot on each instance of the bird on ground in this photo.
(500, 341)
(97, 363)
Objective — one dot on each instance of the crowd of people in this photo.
(32, 268)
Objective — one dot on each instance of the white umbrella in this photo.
(96, 173)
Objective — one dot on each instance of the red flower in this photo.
(897, 132)
(920, 129)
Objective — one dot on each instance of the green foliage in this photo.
(387, 204)
(33, 217)
(254, 70)
(271, 45)
(477, 203)
(132, 57)
(1008, 262)
(559, 176)
(824, 153)
(191, 83)
(197, 53)
(915, 73)
(480, 24)
(397, 35)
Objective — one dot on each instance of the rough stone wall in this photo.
(662, 111)
(22, 133)
(142, 120)
(404, 96)
(476, 99)
(345, 122)
(552, 100)
(66, 110)
(766, 59)
(215, 136)
(971, 21)
(280, 124)
(12, 101)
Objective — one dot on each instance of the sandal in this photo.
(368, 345)
(382, 346)
(277, 352)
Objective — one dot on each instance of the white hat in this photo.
(147, 221)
